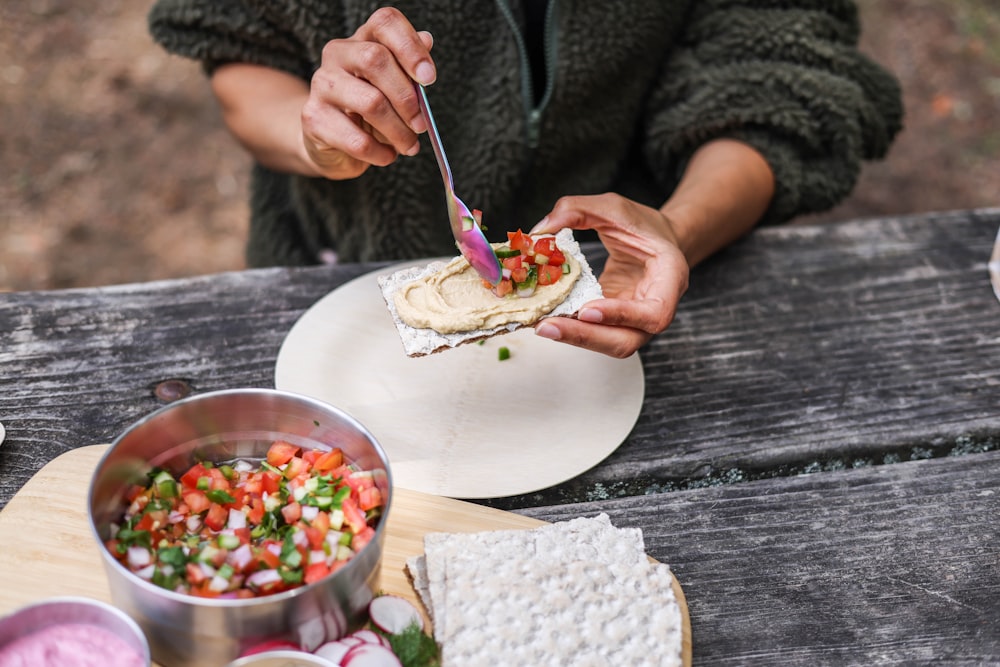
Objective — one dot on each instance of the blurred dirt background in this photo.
(115, 167)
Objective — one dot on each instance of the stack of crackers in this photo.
(579, 592)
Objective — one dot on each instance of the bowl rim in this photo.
(83, 601)
(236, 603)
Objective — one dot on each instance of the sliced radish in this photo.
(334, 651)
(370, 655)
(394, 614)
(271, 645)
(351, 640)
(371, 637)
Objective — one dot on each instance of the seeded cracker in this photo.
(421, 342)
(578, 592)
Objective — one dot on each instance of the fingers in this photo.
(388, 26)
(362, 99)
(618, 342)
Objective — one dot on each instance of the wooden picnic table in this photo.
(816, 455)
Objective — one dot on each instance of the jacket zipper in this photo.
(534, 113)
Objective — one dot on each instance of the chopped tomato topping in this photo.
(214, 526)
(549, 274)
(329, 460)
(281, 452)
(315, 572)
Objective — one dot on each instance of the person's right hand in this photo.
(362, 108)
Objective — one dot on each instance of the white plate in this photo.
(461, 423)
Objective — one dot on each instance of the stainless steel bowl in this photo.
(218, 426)
(65, 611)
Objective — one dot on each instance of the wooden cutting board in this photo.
(48, 550)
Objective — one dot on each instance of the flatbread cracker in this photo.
(421, 342)
(579, 592)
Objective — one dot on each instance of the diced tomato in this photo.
(353, 516)
(549, 274)
(153, 520)
(218, 480)
(315, 536)
(545, 246)
(296, 466)
(370, 498)
(217, 517)
(281, 452)
(197, 501)
(321, 523)
(329, 460)
(520, 241)
(315, 572)
(254, 484)
(271, 482)
(195, 575)
(133, 492)
(190, 478)
(269, 558)
(361, 539)
(504, 287)
(256, 513)
(557, 257)
(310, 456)
(514, 262)
(519, 275)
(292, 512)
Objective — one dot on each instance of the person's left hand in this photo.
(643, 280)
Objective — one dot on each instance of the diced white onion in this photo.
(317, 557)
(175, 517)
(263, 578)
(243, 466)
(138, 557)
(240, 557)
(237, 519)
(146, 572)
(505, 272)
(193, 523)
(309, 512)
(207, 569)
(218, 584)
(274, 548)
(299, 538)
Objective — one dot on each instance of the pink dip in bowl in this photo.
(77, 644)
(71, 632)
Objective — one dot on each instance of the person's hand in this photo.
(362, 108)
(643, 280)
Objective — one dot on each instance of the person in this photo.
(671, 128)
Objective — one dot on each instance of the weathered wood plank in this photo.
(801, 344)
(887, 565)
(818, 346)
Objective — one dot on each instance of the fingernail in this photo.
(412, 150)
(418, 124)
(591, 315)
(546, 330)
(425, 73)
(539, 225)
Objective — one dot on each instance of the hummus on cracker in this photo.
(454, 299)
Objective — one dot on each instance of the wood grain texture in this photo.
(889, 565)
(62, 556)
(801, 344)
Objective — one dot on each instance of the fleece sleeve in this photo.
(787, 79)
(216, 32)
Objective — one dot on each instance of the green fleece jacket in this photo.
(633, 88)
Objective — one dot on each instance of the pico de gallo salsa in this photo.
(528, 262)
(243, 529)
